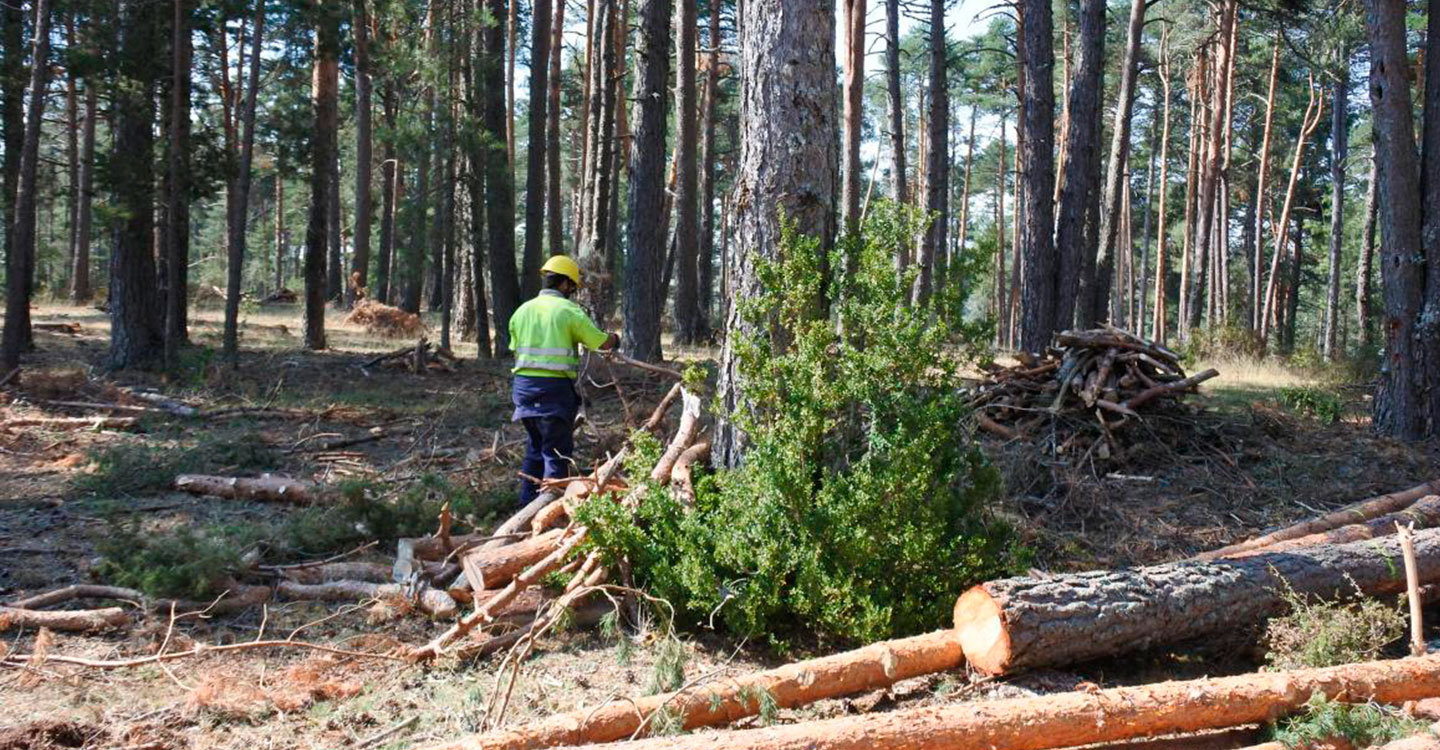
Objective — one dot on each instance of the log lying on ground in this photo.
(876, 666)
(74, 423)
(1426, 741)
(1425, 514)
(69, 620)
(1082, 718)
(77, 591)
(1018, 623)
(493, 568)
(1350, 514)
(266, 488)
(432, 602)
(341, 571)
(237, 597)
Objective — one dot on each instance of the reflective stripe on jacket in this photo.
(544, 333)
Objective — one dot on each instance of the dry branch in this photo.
(681, 474)
(1082, 718)
(73, 423)
(684, 435)
(267, 488)
(433, 602)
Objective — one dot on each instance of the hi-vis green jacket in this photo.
(545, 332)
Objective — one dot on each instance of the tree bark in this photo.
(1364, 273)
(787, 62)
(937, 166)
(1208, 219)
(1094, 298)
(322, 157)
(1355, 512)
(686, 204)
(1425, 373)
(1081, 718)
(554, 217)
(499, 181)
(364, 148)
(64, 620)
(1039, 286)
(897, 112)
(432, 602)
(707, 171)
(72, 150)
(1423, 514)
(645, 240)
(12, 121)
(1077, 226)
(1257, 301)
(1339, 139)
(495, 567)
(20, 254)
(1019, 623)
(265, 488)
(419, 214)
(177, 241)
(80, 290)
(853, 116)
(1271, 312)
(1158, 329)
(389, 197)
(238, 197)
(540, 21)
(136, 338)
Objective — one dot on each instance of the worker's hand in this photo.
(611, 344)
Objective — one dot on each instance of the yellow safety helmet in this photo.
(565, 266)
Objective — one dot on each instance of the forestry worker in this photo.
(545, 333)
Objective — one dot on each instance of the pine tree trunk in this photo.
(1077, 226)
(937, 163)
(334, 263)
(1143, 294)
(1093, 301)
(1158, 326)
(1188, 229)
(707, 171)
(1257, 306)
(1002, 290)
(540, 21)
(1339, 138)
(965, 189)
(12, 114)
(72, 151)
(364, 148)
(80, 290)
(788, 86)
(1425, 375)
(687, 251)
(238, 196)
(1039, 286)
(499, 183)
(645, 240)
(389, 198)
(322, 156)
(1272, 287)
(177, 243)
(280, 235)
(554, 217)
(853, 96)
(136, 327)
(419, 216)
(1208, 219)
(897, 112)
(20, 255)
(1365, 272)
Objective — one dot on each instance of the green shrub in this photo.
(860, 510)
(133, 468)
(1327, 634)
(182, 562)
(1364, 724)
(1319, 403)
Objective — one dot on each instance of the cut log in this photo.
(1019, 623)
(552, 517)
(684, 436)
(341, 571)
(681, 476)
(876, 666)
(656, 417)
(266, 488)
(1425, 514)
(238, 597)
(78, 591)
(1080, 718)
(582, 616)
(432, 602)
(69, 620)
(493, 568)
(1427, 741)
(73, 423)
(1354, 513)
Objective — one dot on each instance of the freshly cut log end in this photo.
(980, 627)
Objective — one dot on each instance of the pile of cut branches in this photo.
(1083, 389)
(384, 320)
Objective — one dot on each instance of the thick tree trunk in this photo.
(937, 162)
(687, 266)
(645, 240)
(360, 264)
(136, 338)
(1081, 718)
(897, 112)
(1077, 226)
(787, 63)
(499, 182)
(1365, 271)
(177, 226)
(237, 209)
(1425, 373)
(322, 157)
(20, 254)
(853, 116)
(12, 116)
(1018, 623)
(1039, 286)
(540, 21)
(495, 567)
(1093, 302)
(1339, 138)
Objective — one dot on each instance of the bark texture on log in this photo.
(70, 620)
(1425, 514)
(432, 602)
(875, 666)
(493, 568)
(1018, 623)
(267, 488)
(1082, 718)
(73, 423)
(1353, 513)
(341, 571)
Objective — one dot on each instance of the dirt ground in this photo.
(1241, 464)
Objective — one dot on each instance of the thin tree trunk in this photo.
(1076, 228)
(512, 47)
(322, 154)
(1002, 290)
(1208, 219)
(589, 101)
(540, 22)
(177, 243)
(853, 97)
(554, 217)
(279, 225)
(1339, 138)
(389, 198)
(1188, 233)
(419, 239)
(499, 182)
(937, 167)
(20, 255)
(80, 274)
(364, 148)
(645, 240)
(707, 172)
(1312, 119)
(687, 252)
(72, 150)
(1037, 153)
(1365, 272)
(964, 228)
(237, 208)
(1140, 318)
(1257, 307)
(897, 113)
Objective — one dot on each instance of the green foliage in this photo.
(182, 562)
(1327, 634)
(668, 674)
(763, 701)
(1319, 403)
(131, 468)
(1364, 724)
(860, 508)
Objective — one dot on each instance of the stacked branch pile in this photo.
(1100, 379)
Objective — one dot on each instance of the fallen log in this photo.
(1081, 718)
(875, 666)
(493, 568)
(584, 616)
(1018, 623)
(1426, 741)
(432, 602)
(684, 436)
(1353, 513)
(266, 488)
(74, 423)
(1425, 514)
(238, 597)
(77, 591)
(681, 477)
(341, 571)
(69, 620)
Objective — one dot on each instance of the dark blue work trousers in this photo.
(547, 407)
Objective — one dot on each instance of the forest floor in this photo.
(1244, 462)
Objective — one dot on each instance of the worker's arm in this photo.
(612, 342)
(584, 330)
